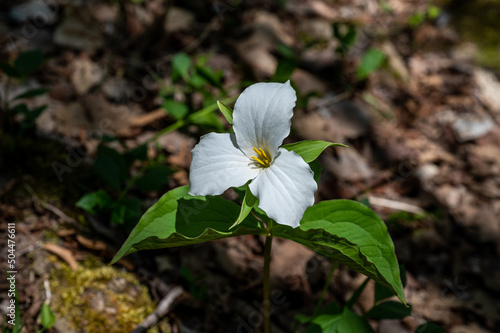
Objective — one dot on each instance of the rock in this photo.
(178, 19)
(77, 34)
(316, 29)
(426, 173)
(349, 165)
(487, 90)
(85, 75)
(472, 127)
(117, 89)
(40, 12)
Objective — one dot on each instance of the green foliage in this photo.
(429, 328)
(346, 35)
(249, 201)
(354, 235)
(181, 64)
(309, 150)
(110, 167)
(347, 321)
(226, 111)
(284, 70)
(113, 169)
(389, 310)
(154, 178)
(372, 60)
(340, 229)
(95, 202)
(47, 318)
(24, 65)
(176, 109)
(181, 219)
(417, 19)
(190, 76)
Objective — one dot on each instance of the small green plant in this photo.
(189, 77)
(115, 171)
(122, 172)
(22, 67)
(279, 186)
(346, 34)
(417, 19)
(372, 60)
(47, 318)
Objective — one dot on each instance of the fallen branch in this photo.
(161, 310)
(396, 205)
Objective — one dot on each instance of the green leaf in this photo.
(347, 321)
(284, 70)
(154, 178)
(35, 113)
(429, 328)
(95, 202)
(309, 150)
(181, 64)
(248, 203)
(176, 109)
(354, 235)
(209, 76)
(126, 211)
(28, 61)
(226, 111)
(372, 60)
(433, 12)
(317, 169)
(110, 167)
(32, 93)
(181, 219)
(138, 153)
(47, 317)
(389, 310)
(9, 70)
(381, 292)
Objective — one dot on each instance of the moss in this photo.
(96, 297)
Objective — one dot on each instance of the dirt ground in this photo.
(423, 130)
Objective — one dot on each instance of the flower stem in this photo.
(334, 267)
(266, 286)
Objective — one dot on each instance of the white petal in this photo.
(286, 188)
(262, 116)
(219, 164)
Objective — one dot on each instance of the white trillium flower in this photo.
(281, 180)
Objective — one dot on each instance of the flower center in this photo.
(262, 157)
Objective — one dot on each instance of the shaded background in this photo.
(411, 86)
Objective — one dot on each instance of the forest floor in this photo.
(399, 82)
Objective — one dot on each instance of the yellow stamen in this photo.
(260, 161)
(264, 153)
(262, 158)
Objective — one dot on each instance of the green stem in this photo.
(334, 267)
(190, 119)
(266, 285)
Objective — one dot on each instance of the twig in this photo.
(396, 205)
(49, 207)
(160, 311)
(48, 292)
(62, 253)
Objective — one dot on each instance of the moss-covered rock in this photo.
(97, 298)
